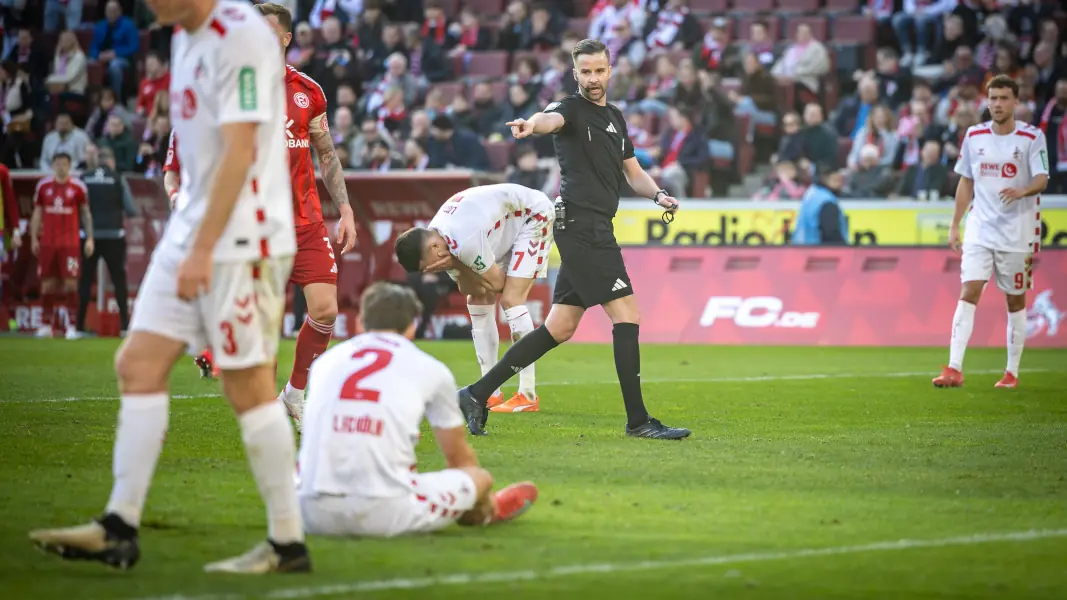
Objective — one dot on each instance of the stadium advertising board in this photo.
(871, 223)
(835, 297)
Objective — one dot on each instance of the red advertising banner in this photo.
(823, 296)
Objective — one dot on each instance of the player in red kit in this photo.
(57, 203)
(315, 267)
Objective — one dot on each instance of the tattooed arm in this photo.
(334, 178)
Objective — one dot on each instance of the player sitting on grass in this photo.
(357, 454)
(493, 239)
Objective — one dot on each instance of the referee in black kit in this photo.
(595, 155)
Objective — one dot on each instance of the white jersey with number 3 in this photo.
(231, 71)
(481, 224)
(367, 399)
(996, 162)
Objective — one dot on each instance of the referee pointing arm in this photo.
(595, 155)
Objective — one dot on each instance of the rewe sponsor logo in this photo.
(755, 312)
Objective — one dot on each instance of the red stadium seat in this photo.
(712, 7)
(146, 43)
(486, 8)
(488, 64)
(579, 26)
(85, 39)
(499, 154)
(819, 27)
(853, 28)
(752, 6)
(542, 57)
(449, 90)
(97, 73)
(843, 6)
(798, 6)
(451, 8)
(500, 90)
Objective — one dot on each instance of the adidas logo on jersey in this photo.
(611, 128)
(619, 285)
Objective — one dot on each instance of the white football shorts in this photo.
(1013, 270)
(239, 318)
(438, 500)
(529, 253)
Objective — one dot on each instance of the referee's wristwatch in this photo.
(655, 197)
(667, 217)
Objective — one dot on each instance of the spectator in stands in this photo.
(688, 91)
(995, 28)
(344, 157)
(804, 63)
(880, 131)
(156, 78)
(106, 106)
(569, 40)
(965, 92)
(320, 10)
(660, 90)
(683, 152)
(334, 61)
(791, 146)
(965, 117)
(716, 53)
(962, 66)
(20, 128)
(928, 179)
(434, 103)
(302, 49)
(427, 61)
(519, 105)
(820, 220)
(450, 147)
(472, 36)
(460, 112)
(392, 115)
(757, 97)
(118, 138)
(65, 138)
(673, 28)
(70, 69)
(415, 157)
(346, 98)
(67, 11)
(1050, 34)
(391, 42)
(396, 75)
(1049, 71)
(945, 49)
(760, 43)
(783, 184)
(368, 132)
(369, 28)
(1004, 63)
(152, 152)
(530, 172)
(342, 127)
(818, 141)
(27, 52)
(645, 147)
(924, 17)
(912, 131)
(420, 126)
(542, 35)
(435, 26)
(871, 177)
(560, 76)
(116, 42)
(853, 112)
(1053, 122)
(485, 114)
(158, 35)
(894, 83)
(527, 74)
(627, 85)
(719, 124)
(381, 158)
(600, 27)
(626, 42)
(515, 27)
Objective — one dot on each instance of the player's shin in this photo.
(522, 354)
(142, 425)
(485, 333)
(962, 325)
(1016, 339)
(625, 337)
(271, 450)
(311, 342)
(521, 325)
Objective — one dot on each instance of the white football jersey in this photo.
(231, 71)
(481, 224)
(996, 162)
(367, 398)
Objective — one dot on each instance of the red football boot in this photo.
(949, 378)
(512, 501)
(1008, 381)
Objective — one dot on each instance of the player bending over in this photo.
(58, 202)
(1003, 166)
(493, 240)
(217, 277)
(315, 268)
(357, 453)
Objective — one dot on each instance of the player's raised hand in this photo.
(954, 238)
(520, 128)
(443, 263)
(346, 229)
(194, 276)
(1009, 195)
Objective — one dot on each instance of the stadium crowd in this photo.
(713, 89)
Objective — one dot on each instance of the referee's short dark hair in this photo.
(408, 248)
(387, 306)
(589, 46)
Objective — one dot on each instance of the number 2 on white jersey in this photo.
(351, 390)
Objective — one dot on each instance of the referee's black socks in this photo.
(520, 355)
(628, 366)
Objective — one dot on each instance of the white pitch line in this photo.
(463, 579)
(752, 379)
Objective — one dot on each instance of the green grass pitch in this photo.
(805, 469)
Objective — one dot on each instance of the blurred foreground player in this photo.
(217, 277)
(594, 163)
(58, 202)
(368, 398)
(492, 240)
(315, 267)
(1003, 166)
(9, 220)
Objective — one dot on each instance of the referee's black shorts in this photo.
(591, 270)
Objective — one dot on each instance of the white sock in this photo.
(1016, 340)
(519, 320)
(138, 442)
(962, 325)
(486, 335)
(272, 455)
